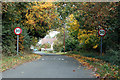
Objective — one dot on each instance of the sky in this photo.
(51, 34)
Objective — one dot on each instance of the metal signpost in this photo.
(102, 33)
(17, 31)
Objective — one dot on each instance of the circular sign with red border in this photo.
(102, 32)
(17, 30)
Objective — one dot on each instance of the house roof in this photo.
(48, 40)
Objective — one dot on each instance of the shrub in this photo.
(50, 51)
(114, 56)
(73, 52)
(57, 46)
(47, 45)
(71, 44)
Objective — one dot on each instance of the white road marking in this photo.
(22, 72)
(43, 59)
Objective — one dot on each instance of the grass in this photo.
(62, 53)
(44, 51)
(13, 61)
(101, 68)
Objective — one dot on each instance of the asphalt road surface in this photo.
(44, 54)
(49, 66)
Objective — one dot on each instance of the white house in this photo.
(31, 47)
(48, 40)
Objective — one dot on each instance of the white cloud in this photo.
(51, 34)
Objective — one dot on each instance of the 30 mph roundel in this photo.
(102, 32)
(17, 30)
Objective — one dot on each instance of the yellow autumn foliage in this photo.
(95, 46)
(88, 37)
(74, 25)
(40, 12)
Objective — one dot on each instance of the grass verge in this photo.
(101, 68)
(61, 53)
(13, 61)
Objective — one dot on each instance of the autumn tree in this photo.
(11, 18)
(85, 19)
(34, 19)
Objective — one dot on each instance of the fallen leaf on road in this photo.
(73, 70)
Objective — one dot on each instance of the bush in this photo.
(73, 52)
(111, 56)
(57, 46)
(50, 51)
(71, 45)
(114, 56)
(47, 45)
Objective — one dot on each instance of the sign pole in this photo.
(102, 33)
(17, 31)
(17, 43)
(101, 46)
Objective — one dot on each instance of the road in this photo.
(49, 66)
(44, 54)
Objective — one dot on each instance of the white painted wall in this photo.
(31, 47)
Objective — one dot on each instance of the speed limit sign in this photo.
(17, 30)
(102, 32)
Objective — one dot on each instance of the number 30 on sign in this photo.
(102, 32)
(17, 30)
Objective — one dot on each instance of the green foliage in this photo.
(90, 17)
(47, 45)
(71, 44)
(8, 41)
(82, 23)
(57, 46)
(73, 52)
(114, 56)
(11, 18)
(16, 14)
(50, 51)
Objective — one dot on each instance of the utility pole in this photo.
(64, 38)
